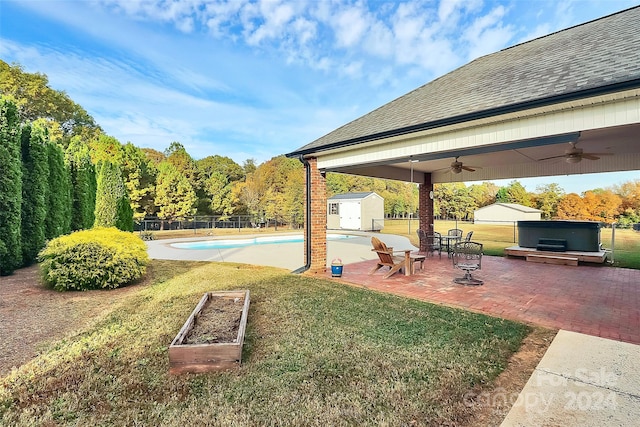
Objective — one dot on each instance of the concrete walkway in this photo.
(581, 381)
(588, 376)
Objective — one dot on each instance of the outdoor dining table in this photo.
(447, 241)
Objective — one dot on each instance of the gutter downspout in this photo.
(307, 224)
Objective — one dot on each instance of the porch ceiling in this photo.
(514, 159)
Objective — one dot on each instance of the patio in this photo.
(595, 300)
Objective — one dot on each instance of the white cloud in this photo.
(487, 33)
(349, 25)
(272, 16)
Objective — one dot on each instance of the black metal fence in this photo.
(202, 222)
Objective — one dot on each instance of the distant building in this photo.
(356, 211)
(505, 213)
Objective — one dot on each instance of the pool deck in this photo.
(288, 255)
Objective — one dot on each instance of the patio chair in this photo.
(467, 238)
(467, 256)
(434, 243)
(396, 263)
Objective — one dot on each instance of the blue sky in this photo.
(255, 79)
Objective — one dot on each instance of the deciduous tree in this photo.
(175, 197)
(547, 199)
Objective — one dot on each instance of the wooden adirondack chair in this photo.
(388, 259)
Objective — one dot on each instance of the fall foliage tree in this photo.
(36, 100)
(174, 197)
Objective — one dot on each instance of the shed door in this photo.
(350, 215)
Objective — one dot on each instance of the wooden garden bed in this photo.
(212, 337)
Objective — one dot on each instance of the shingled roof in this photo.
(596, 57)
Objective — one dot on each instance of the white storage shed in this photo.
(505, 213)
(355, 211)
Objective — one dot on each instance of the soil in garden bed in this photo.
(218, 322)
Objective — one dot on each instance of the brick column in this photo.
(318, 220)
(425, 206)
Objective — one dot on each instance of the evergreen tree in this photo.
(83, 184)
(10, 188)
(58, 220)
(35, 171)
(112, 203)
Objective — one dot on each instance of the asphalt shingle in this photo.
(589, 56)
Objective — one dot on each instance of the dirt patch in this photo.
(32, 316)
(218, 322)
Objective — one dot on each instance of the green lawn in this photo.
(497, 237)
(316, 353)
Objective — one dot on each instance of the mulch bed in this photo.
(218, 322)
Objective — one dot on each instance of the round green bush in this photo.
(100, 258)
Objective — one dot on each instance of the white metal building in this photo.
(355, 211)
(505, 213)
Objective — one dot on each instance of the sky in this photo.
(254, 79)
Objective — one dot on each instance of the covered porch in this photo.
(567, 103)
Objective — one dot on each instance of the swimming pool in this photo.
(239, 243)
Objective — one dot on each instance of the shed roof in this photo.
(351, 196)
(514, 206)
(597, 57)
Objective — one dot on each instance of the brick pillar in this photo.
(425, 207)
(318, 220)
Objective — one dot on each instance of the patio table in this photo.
(446, 240)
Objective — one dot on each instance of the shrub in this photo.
(147, 235)
(93, 259)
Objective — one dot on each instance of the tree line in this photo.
(60, 172)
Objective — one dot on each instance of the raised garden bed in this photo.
(212, 337)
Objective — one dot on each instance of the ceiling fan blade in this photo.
(552, 157)
(590, 156)
(467, 168)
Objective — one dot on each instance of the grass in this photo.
(316, 353)
(496, 238)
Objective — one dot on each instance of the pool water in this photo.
(239, 243)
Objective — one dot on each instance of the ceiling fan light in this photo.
(574, 159)
(456, 170)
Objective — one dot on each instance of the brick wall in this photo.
(318, 220)
(425, 206)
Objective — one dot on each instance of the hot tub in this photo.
(581, 236)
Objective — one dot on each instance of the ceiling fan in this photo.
(575, 154)
(457, 166)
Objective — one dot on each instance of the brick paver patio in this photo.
(590, 299)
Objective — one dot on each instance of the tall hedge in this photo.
(35, 173)
(83, 184)
(58, 221)
(112, 203)
(10, 188)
